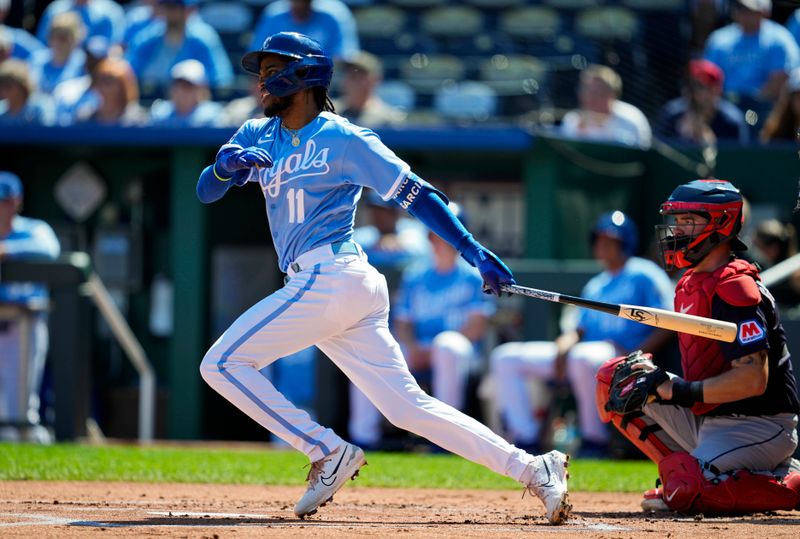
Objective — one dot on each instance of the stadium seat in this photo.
(452, 21)
(607, 23)
(379, 22)
(426, 72)
(468, 100)
(398, 94)
(573, 4)
(531, 22)
(655, 5)
(513, 74)
(495, 4)
(416, 4)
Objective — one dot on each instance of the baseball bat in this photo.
(660, 318)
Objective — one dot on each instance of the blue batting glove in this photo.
(229, 160)
(494, 272)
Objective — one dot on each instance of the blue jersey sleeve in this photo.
(753, 327)
(244, 137)
(369, 163)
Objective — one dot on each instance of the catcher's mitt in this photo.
(634, 383)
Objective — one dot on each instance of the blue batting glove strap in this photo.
(494, 272)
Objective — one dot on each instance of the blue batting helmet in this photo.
(619, 226)
(311, 67)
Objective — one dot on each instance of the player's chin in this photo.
(274, 106)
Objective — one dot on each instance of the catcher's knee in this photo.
(686, 489)
(604, 376)
(640, 430)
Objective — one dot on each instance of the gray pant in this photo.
(726, 443)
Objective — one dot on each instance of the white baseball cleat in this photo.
(327, 476)
(549, 484)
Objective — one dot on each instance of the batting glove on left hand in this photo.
(230, 160)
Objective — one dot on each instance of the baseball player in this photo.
(576, 354)
(311, 166)
(22, 237)
(722, 435)
(440, 318)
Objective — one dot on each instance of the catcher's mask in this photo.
(719, 202)
(309, 65)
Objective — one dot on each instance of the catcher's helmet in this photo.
(619, 226)
(716, 200)
(311, 67)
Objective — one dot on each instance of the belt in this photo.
(324, 252)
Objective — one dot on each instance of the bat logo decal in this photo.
(639, 315)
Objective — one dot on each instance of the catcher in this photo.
(724, 434)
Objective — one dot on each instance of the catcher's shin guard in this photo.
(642, 431)
(686, 489)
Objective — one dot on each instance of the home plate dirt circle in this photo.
(80, 509)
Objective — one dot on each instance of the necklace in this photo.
(295, 136)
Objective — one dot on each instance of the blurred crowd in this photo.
(175, 62)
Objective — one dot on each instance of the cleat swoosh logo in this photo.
(669, 497)
(332, 476)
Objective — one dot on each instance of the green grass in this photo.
(267, 467)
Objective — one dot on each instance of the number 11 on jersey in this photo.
(297, 207)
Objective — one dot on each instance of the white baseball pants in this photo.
(451, 357)
(340, 303)
(515, 362)
(19, 399)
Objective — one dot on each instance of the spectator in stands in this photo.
(774, 242)
(23, 44)
(243, 108)
(19, 102)
(330, 22)
(117, 91)
(755, 53)
(159, 47)
(440, 319)
(701, 115)
(63, 59)
(22, 238)
(75, 97)
(390, 240)
(577, 353)
(783, 123)
(602, 116)
(793, 25)
(190, 104)
(358, 103)
(100, 18)
(146, 13)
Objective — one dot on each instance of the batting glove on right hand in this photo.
(230, 160)
(494, 272)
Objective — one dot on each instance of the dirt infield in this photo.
(64, 510)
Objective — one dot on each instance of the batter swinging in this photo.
(311, 166)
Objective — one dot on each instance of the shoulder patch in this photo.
(750, 331)
(739, 291)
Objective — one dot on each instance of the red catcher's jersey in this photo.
(735, 283)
